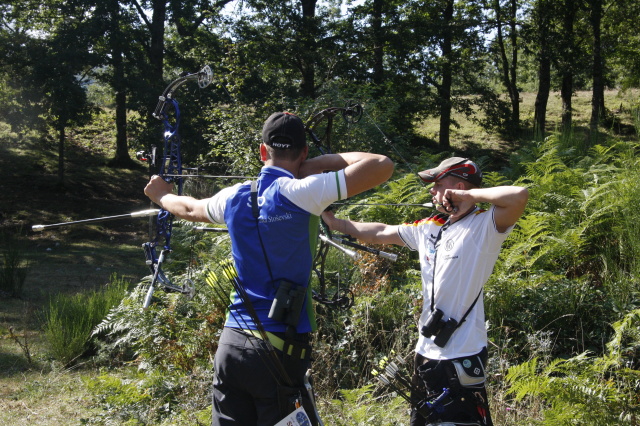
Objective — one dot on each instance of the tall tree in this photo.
(452, 49)
(292, 40)
(596, 11)
(568, 53)
(541, 37)
(135, 32)
(506, 25)
(623, 37)
(116, 42)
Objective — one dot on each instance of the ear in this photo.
(461, 185)
(264, 156)
(305, 153)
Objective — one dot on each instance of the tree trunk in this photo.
(597, 99)
(378, 43)
(156, 50)
(542, 98)
(308, 53)
(509, 68)
(121, 158)
(61, 140)
(513, 81)
(444, 90)
(566, 91)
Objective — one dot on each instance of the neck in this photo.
(287, 165)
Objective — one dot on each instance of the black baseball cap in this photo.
(459, 167)
(284, 130)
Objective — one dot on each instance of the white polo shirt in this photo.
(466, 254)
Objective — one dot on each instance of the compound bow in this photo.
(343, 297)
(170, 169)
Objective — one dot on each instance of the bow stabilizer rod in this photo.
(352, 254)
(142, 213)
(344, 241)
(209, 229)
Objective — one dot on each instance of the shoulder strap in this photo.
(466, 314)
(255, 209)
(254, 199)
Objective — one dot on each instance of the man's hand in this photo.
(457, 202)
(330, 219)
(157, 188)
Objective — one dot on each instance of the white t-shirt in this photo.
(466, 254)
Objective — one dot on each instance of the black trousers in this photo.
(464, 405)
(248, 388)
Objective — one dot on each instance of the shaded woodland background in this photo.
(540, 93)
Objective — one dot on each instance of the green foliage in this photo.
(69, 319)
(172, 342)
(569, 314)
(349, 343)
(583, 389)
(353, 408)
(174, 333)
(151, 397)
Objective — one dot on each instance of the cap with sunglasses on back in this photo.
(459, 167)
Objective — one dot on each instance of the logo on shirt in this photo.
(278, 218)
(261, 201)
(448, 246)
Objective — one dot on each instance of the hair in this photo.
(289, 154)
(466, 183)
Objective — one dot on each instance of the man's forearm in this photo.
(368, 232)
(500, 196)
(183, 207)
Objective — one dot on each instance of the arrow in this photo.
(387, 204)
(391, 256)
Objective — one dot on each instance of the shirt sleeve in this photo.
(316, 192)
(408, 234)
(217, 204)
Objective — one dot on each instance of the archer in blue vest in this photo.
(273, 225)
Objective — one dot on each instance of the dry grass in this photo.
(469, 133)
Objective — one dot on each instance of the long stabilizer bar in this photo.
(142, 213)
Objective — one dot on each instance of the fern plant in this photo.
(584, 389)
(354, 408)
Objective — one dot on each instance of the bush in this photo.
(70, 319)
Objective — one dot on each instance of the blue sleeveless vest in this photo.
(289, 235)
